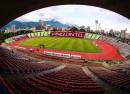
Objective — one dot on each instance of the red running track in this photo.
(108, 51)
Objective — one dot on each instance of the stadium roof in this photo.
(11, 9)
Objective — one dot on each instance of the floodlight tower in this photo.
(96, 22)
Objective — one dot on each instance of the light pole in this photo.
(96, 22)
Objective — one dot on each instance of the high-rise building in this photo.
(40, 25)
(11, 29)
(123, 33)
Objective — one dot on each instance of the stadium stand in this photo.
(71, 80)
(4, 87)
(87, 35)
(29, 35)
(97, 36)
(112, 77)
(124, 48)
(38, 34)
(20, 65)
(32, 35)
(92, 36)
(9, 40)
(42, 34)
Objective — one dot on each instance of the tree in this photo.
(82, 29)
(4, 35)
(73, 29)
(88, 29)
(111, 33)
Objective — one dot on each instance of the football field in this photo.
(63, 43)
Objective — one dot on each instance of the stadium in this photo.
(71, 45)
(64, 62)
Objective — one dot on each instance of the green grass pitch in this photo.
(63, 43)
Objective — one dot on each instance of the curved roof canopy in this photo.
(11, 9)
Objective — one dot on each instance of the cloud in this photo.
(79, 15)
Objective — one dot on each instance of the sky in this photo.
(79, 15)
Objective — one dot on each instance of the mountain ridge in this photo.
(23, 25)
